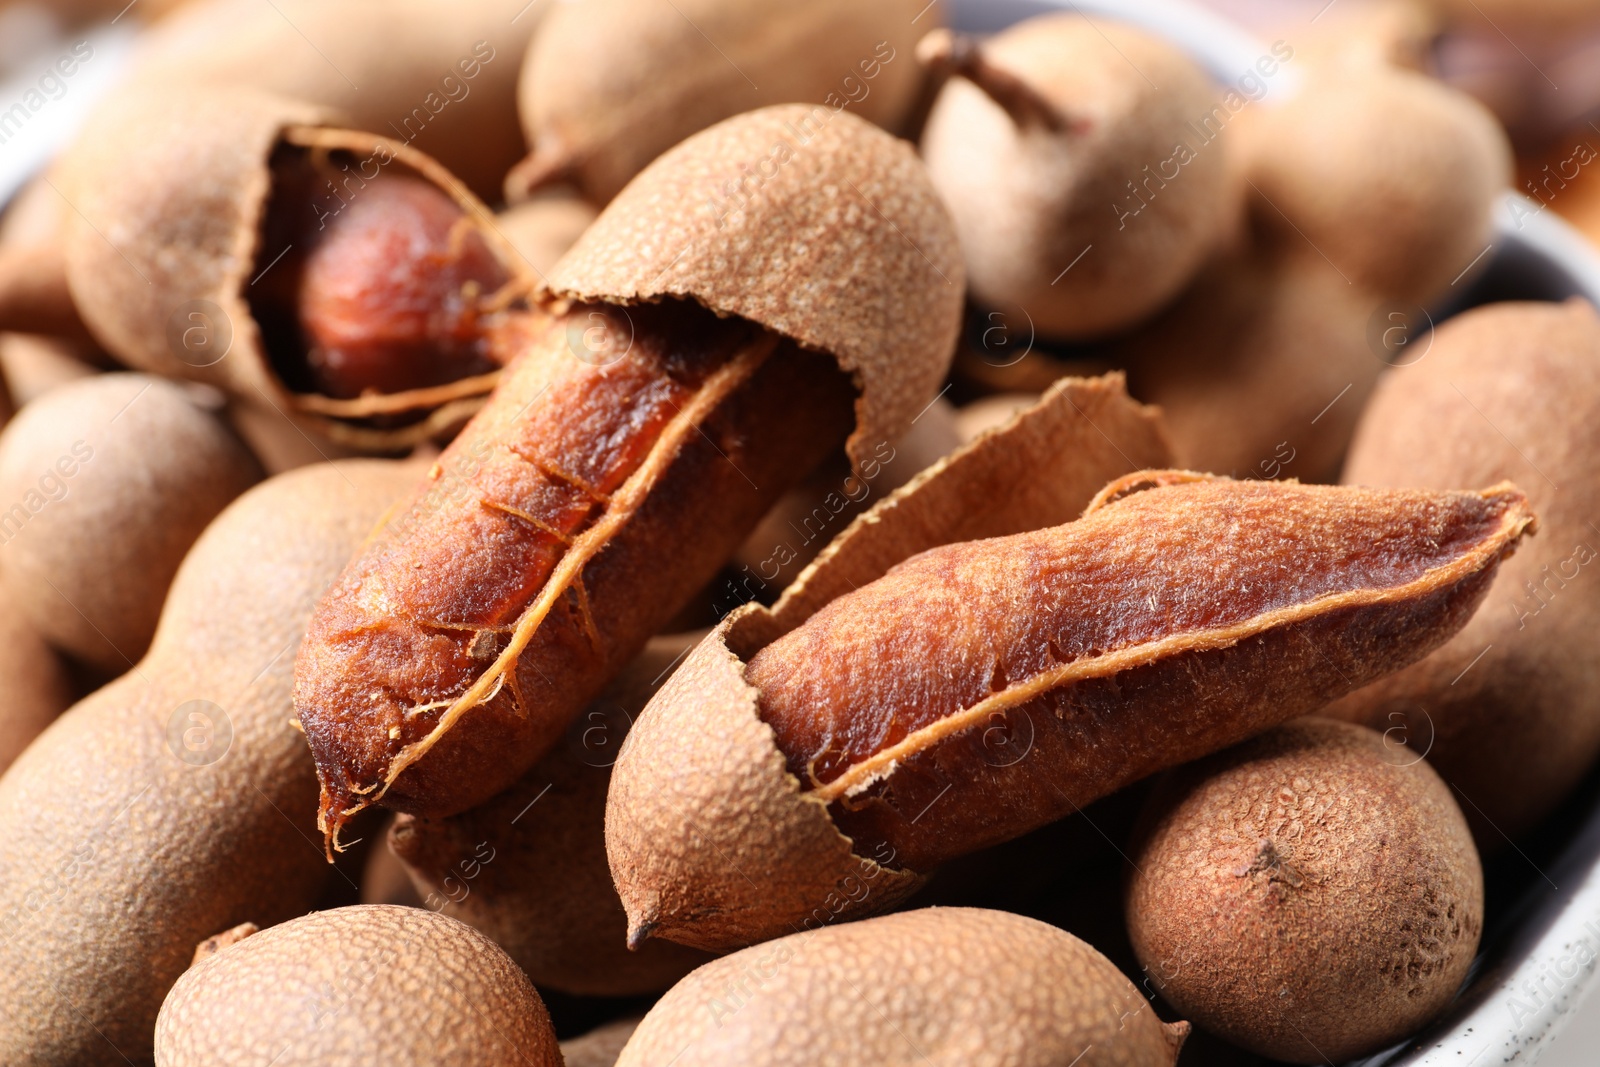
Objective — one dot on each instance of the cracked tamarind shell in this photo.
(675, 841)
(129, 453)
(1312, 895)
(358, 985)
(980, 690)
(1062, 138)
(609, 85)
(429, 684)
(1508, 711)
(935, 985)
(189, 788)
(528, 868)
(440, 75)
(163, 260)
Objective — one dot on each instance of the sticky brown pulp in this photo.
(369, 285)
(425, 611)
(956, 625)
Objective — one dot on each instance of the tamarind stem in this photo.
(948, 53)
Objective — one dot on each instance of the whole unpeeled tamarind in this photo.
(346, 987)
(188, 786)
(1509, 710)
(598, 105)
(1312, 895)
(676, 386)
(934, 985)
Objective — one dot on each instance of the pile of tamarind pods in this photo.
(709, 533)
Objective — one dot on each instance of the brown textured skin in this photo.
(711, 841)
(100, 914)
(1390, 174)
(1261, 368)
(528, 868)
(846, 249)
(185, 221)
(376, 61)
(557, 440)
(1506, 391)
(853, 283)
(1161, 626)
(1312, 895)
(609, 85)
(354, 986)
(939, 985)
(35, 683)
(150, 469)
(1028, 199)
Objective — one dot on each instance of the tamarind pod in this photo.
(608, 86)
(675, 842)
(440, 75)
(587, 502)
(983, 689)
(527, 570)
(1509, 710)
(187, 784)
(1179, 615)
(528, 868)
(352, 986)
(1261, 368)
(166, 261)
(931, 985)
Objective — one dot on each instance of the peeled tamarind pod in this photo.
(335, 278)
(1039, 469)
(188, 785)
(939, 985)
(359, 985)
(980, 690)
(128, 453)
(693, 367)
(609, 85)
(528, 868)
(440, 75)
(1131, 644)
(1082, 187)
(1509, 710)
(1387, 174)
